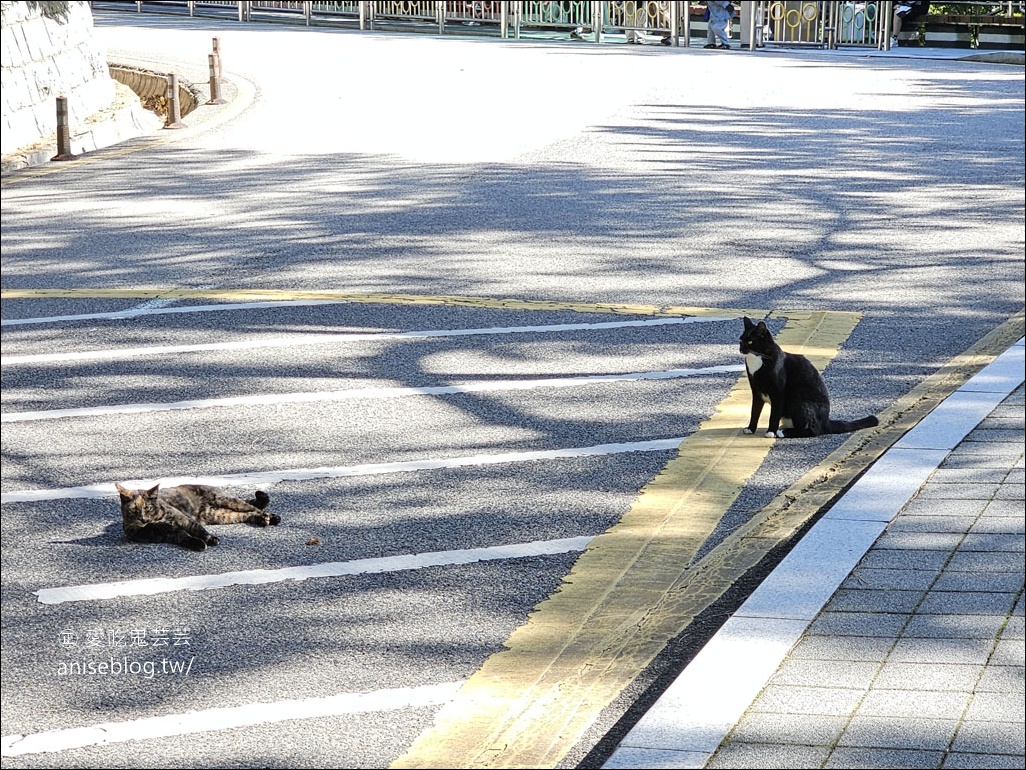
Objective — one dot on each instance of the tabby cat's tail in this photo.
(844, 426)
(260, 500)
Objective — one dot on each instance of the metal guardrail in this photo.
(585, 19)
(759, 23)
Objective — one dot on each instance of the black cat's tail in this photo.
(844, 426)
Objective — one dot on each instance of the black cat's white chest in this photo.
(753, 362)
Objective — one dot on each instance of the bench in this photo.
(982, 31)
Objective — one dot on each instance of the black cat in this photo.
(791, 385)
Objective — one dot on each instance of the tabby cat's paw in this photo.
(264, 519)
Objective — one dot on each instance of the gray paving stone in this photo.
(978, 581)
(959, 760)
(979, 626)
(865, 600)
(996, 457)
(966, 603)
(885, 579)
(997, 435)
(825, 673)
(800, 729)
(931, 523)
(926, 506)
(898, 733)
(1008, 652)
(959, 491)
(935, 650)
(997, 707)
(828, 701)
(911, 704)
(984, 737)
(854, 757)
(1007, 508)
(1015, 628)
(1001, 679)
(891, 559)
(1007, 450)
(993, 542)
(899, 675)
(908, 540)
(980, 561)
(858, 624)
(865, 648)
(968, 476)
(748, 755)
(1009, 525)
(1013, 490)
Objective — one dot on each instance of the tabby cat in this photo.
(177, 514)
(791, 385)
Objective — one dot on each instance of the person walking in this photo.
(719, 16)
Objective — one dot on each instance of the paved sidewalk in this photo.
(892, 634)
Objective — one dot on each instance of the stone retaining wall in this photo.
(42, 59)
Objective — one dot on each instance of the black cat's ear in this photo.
(762, 325)
(748, 323)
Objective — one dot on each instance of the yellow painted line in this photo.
(793, 508)
(615, 612)
(284, 295)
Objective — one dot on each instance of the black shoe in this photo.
(722, 47)
(709, 45)
(666, 40)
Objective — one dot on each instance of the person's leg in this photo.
(710, 32)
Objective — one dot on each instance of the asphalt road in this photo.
(403, 435)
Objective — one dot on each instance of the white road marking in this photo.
(267, 478)
(151, 586)
(333, 339)
(363, 393)
(155, 308)
(229, 717)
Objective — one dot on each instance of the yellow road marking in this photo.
(615, 612)
(283, 295)
(637, 586)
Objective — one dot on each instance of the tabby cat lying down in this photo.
(177, 514)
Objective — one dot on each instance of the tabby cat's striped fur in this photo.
(177, 514)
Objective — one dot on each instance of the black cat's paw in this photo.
(273, 519)
(195, 544)
(260, 500)
(212, 540)
(748, 431)
(771, 434)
